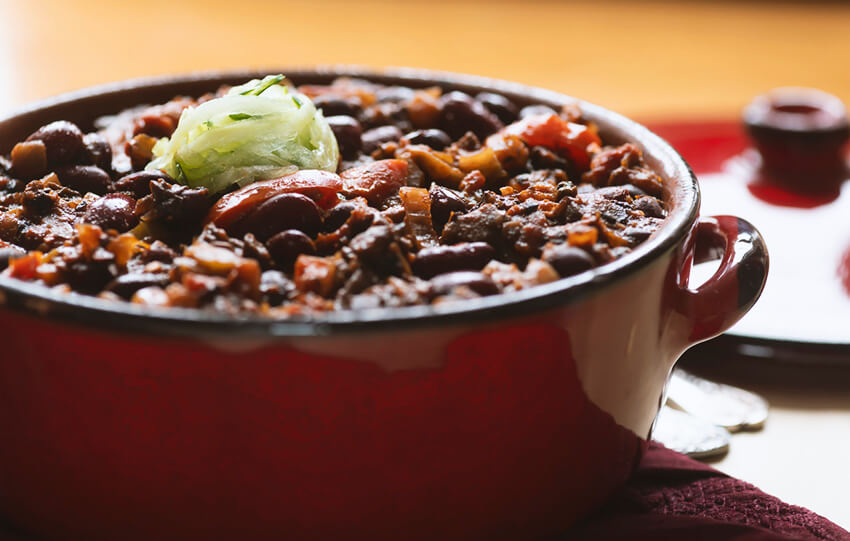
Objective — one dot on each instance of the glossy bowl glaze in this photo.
(503, 417)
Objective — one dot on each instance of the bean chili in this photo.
(438, 197)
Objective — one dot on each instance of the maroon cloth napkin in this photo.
(672, 497)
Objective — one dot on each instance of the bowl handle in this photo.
(724, 298)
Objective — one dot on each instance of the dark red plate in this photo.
(804, 313)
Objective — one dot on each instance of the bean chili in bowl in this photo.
(277, 200)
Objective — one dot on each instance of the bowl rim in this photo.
(75, 308)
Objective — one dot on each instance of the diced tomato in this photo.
(322, 187)
(376, 181)
(551, 131)
(24, 267)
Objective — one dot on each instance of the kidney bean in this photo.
(460, 113)
(97, 151)
(112, 211)
(139, 183)
(286, 246)
(279, 213)
(499, 105)
(532, 110)
(435, 260)
(444, 201)
(85, 178)
(155, 125)
(434, 138)
(374, 138)
(332, 105)
(62, 139)
(650, 206)
(567, 260)
(444, 284)
(348, 135)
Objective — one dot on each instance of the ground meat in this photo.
(439, 197)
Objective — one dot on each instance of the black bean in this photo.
(348, 135)
(88, 276)
(436, 260)
(113, 211)
(255, 249)
(543, 158)
(374, 138)
(177, 203)
(281, 212)
(275, 286)
(567, 260)
(566, 189)
(126, 285)
(332, 105)
(444, 201)
(337, 216)
(97, 151)
(499, 105)
(531, 110)
(434, 138)
(650, 206)
(372, 245)
(158, 251)
(63, 141)
(444, 284)
(11, 185)
(85, 178)
(633, 190)
(286, 246)
(9, 251)
(460, 113)
(38, 199)
(139, 183)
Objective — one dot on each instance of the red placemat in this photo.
(672, 497)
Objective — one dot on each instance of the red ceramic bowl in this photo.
(509, 416)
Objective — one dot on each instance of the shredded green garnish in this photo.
(263, 85)
(181, 176)
(242, 116)
(258, 130)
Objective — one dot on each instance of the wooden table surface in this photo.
(647, 60)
